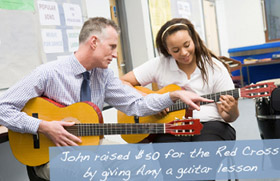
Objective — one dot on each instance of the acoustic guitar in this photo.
(33, 150)
(179, 108)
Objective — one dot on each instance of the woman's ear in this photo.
(167, 50)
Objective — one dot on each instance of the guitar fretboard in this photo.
(179, 105)
(84, 129)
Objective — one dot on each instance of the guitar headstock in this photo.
(257, 90)
(184, 127)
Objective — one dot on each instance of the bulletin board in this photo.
(190, 9)
(33, 32)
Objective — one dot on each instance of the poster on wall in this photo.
(19, 45)
(60, 27)
(52, 40)
(48, 13)
(191, 10)
(36, 31)
(26, 5)
(160, 12)
(73, 14)
(164, 10)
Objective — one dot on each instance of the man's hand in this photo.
(189, 98)
(55, 131)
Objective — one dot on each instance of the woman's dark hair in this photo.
(202, 53)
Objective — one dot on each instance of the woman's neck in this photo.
(187, 68)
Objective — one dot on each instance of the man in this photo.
(61, 81)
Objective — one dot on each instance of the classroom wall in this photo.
(240, 23)
(98, 8)
(10, 168)
(140, 35)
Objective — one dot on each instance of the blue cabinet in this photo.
(261, 70)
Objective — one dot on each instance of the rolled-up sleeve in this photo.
(15, 98)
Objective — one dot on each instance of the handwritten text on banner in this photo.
(168, 161)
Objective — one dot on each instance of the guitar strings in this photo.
(179, 105)
(142, 128)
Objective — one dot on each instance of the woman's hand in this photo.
(228, 108)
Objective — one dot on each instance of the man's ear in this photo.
(93, 41)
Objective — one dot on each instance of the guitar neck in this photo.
(85, 129)
(179, 105)
(216, 96)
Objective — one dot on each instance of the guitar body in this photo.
(22, 144)
(123, 118)
(178, 110)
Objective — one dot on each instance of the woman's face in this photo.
(181, 47)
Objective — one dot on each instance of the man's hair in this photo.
(95, 25)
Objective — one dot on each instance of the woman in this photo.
(185, 61)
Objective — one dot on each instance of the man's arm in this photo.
(187, 97)
(11, 116)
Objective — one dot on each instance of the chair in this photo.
(32, 175)
(233, 66)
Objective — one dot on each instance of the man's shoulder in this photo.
(61, 64)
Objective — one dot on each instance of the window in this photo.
(272, 20)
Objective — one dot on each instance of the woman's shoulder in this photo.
(160, 59)
(153, 63)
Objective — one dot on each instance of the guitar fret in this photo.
(88, 129)
(132, 129)
(125, 129)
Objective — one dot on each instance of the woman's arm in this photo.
(130, 79)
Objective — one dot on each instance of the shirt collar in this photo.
(78, 69)
(173, 65)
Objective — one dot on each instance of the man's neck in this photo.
(83, 56)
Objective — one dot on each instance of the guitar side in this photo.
(22, 144)
(123, 118)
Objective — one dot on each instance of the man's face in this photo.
(106, 48)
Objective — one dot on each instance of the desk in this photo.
(3, 134)
(261, 70)
(258, 64)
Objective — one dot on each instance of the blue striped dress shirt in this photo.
(61, 81)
